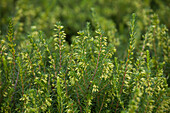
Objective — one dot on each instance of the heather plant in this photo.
(49, 75)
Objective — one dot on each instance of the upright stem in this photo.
(78, 100)
(96, 66)
(102, 103)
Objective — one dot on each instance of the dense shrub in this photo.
(118, 62)
(85, 76)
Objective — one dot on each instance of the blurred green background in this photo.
(75, 13)
(113, 16)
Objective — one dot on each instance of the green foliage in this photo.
(49, 75)
(111, 65)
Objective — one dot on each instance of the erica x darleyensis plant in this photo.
(86, 76)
